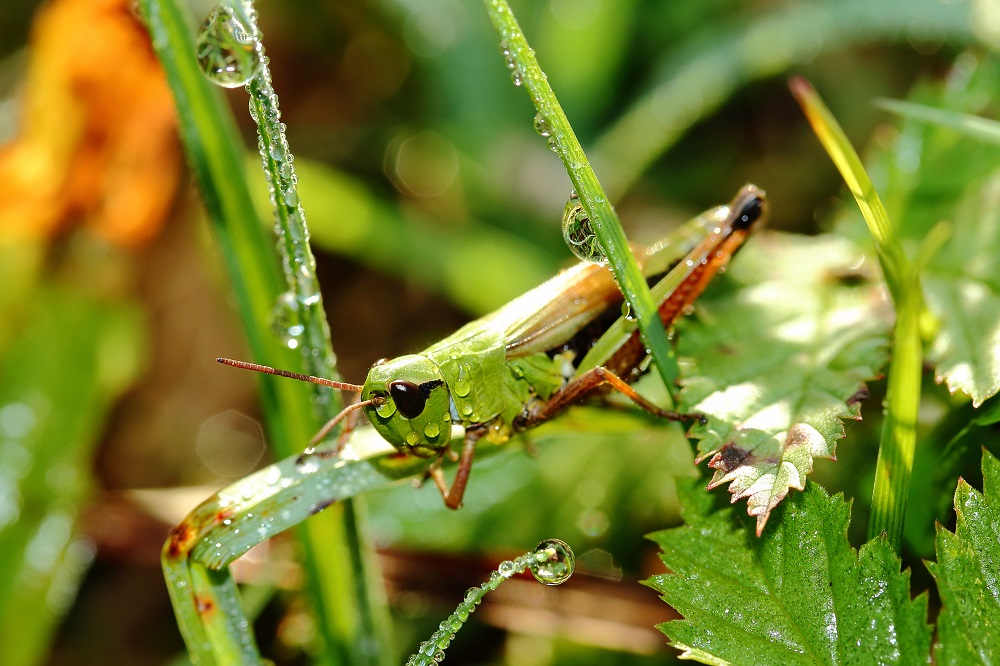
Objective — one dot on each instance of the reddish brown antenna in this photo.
(267, 370)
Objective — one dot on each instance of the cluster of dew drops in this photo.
(551, 563)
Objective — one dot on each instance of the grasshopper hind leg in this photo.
(589, 381)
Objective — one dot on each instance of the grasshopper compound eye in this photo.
(409, 399)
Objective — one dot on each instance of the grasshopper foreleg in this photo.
(453, 496)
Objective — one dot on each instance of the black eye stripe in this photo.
(427, 387)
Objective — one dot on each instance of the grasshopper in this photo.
(521, 365)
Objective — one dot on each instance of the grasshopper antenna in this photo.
(267, 370)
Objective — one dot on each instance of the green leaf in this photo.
(777, 362)
(798, 595)
(968, 574)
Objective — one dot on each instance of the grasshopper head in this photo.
(414, 412)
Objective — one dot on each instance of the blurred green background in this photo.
(431, 201)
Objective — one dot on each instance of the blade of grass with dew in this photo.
(896, 449)
(216, 157)
(527, 72)
(358, 613)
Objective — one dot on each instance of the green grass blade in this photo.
(895, 460)
(983, 129)
(216, 157)
(595, 202)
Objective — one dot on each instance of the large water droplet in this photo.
(227, 47)
(432, 430)
(579, 233)
(386, 409)
(286, 322)
(554, 562)
(542, 125)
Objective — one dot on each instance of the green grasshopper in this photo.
(521, 365)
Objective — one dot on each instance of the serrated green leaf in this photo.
(798, 595)
(779, 362)
(968, 574)
(962, 288)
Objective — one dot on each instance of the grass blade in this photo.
(216, 157)
(602, 215)
(896, 449)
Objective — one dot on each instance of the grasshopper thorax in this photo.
(411, 408)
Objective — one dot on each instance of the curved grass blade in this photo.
(895, 460)
(214, 152)
(976, 127)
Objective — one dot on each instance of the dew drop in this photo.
(432, 430)
(579, 233)
(285, 320)
(554, 562)
(462, 387)
(466, 409)
(386, 409)
(227, 47)
(542, 125)
(507, 568)
(517, 78)
(412, 438)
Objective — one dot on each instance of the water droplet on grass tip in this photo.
(554, 562)
(227, 48)
(579, 233)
